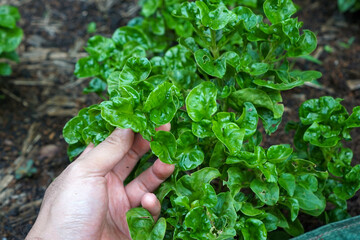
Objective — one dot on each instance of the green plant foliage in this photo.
(214, 69)
(348, 5)
(10, 37)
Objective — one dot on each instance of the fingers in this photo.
(87, 149)
(148, 181)
(106, 155)
(150, 202)
(139, 148)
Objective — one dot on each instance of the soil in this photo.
(42, 94)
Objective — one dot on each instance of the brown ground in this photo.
(42, 94)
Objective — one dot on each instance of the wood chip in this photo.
(24, 82)
(310, 84)
(5, 181)
(353, 84)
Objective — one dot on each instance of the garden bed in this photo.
(42, 94)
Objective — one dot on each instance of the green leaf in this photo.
(294, 207)
(270, 222)
(322, 135)
(198, 221)
(291, 27)
(91, 28)
(248, 120)
(209, 198)
(345, 5)
(237, 178)
(256, 69)
(308, 181)
(10, 10)
(269, 171)
(269, 122)
(176, 58)
(87, 67)
(308, 200)
(279, 10)
(72, 131)
(181, 67)
(254, 229)
(96, 85)
(158, 65)
(164, 146)
(10, 38)
(249, 210)
(257, 97)
(218, 156)
(159, 230)
(189, 43)
(192, 185)
(13, 56)
(279, 153)
(100, 47)
(124, 35)
(250, 159)
(5, 69)
(246, 16)
(7, 21)
(186, 10)
(162, 103)
(228, 132)
(202, 129)
(149, 7)
(213, 67)
(215, 19)
(74, 150)
(135, 70)
(354, 120)
(225, 211)
(96, 132)
(287, 181)
(201, 101)
(156, 24)
(318, 110)
(282, 221)
(120, 112)
(142, 225)
(295, 228)
(298, 77)
(306, 45)
(189, 153)
(127, 92)
(267, 192)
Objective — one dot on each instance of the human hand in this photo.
(89, 200)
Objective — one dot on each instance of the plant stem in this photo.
(200, 34)
(225, 105)
(214, 48)
(271, 51)
(339, 179)
(327, 153)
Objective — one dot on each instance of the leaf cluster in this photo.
(10, 37)
(214, 70)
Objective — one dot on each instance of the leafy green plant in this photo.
(91, 28)
(214, 85)
(349, 5)
(10, 37)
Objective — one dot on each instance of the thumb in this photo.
(106, 155)
(150, 202)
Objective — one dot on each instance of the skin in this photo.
(89, 200)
